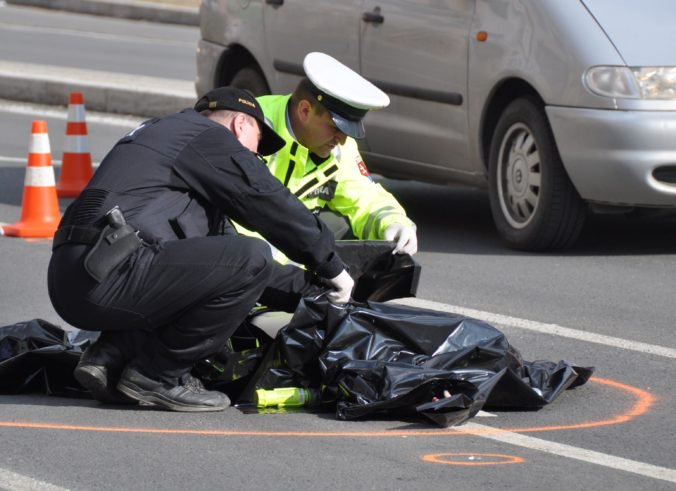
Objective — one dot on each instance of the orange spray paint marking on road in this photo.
(644, 401)
(472, 459)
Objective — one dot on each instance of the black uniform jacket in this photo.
(184, 176)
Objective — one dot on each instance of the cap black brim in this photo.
(355, 129)
(270, 142)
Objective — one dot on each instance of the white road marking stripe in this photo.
(553, 329)
(22, 160)
(508, 321)
(55, 163)
(43, 111)
(13, 159)
(589, 456)
(16, 482)
(125, 39)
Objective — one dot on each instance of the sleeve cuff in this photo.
(331, 268)
(395, 218)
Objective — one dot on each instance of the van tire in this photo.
(252, 79)
(534, 204)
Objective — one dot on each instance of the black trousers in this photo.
(170, 307)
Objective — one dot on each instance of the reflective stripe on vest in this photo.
(318, 177)
(284, 163)
(292, 163)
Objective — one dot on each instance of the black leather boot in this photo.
(99, 370)
(189, 396)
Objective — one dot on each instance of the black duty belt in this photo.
(75, 234)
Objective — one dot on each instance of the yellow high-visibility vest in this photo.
(341, 182)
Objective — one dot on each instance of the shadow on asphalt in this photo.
(11, 185)
(453, 219)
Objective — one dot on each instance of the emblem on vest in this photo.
(363, 170)
(326, 191)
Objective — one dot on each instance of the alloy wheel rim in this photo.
(519, 176)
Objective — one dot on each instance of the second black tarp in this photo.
(385, 359)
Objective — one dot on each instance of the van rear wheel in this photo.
(533, 202)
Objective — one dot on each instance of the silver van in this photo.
(555, 106)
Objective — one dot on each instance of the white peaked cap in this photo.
(343, 83)
(347, 95)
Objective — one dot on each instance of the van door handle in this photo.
(374, 17)
(274, 2)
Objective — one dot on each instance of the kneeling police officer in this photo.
(147, 255)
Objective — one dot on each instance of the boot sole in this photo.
(95, 381)
(134, 391)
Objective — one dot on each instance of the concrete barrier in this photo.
(104, 91)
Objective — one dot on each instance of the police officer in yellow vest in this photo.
(320, 162)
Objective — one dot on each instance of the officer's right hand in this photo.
(342, 288)
(404, 236)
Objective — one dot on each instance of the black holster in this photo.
(114, 245)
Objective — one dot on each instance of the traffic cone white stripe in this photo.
(76, 163)
(39, 177)
(76, 113)
(76, 144)
(39, 143)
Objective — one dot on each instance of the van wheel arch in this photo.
(239, 68)
(250, 78)
(500, 97)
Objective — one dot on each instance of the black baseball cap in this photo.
(243, 101)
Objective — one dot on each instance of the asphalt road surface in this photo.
(51, 37)
(607, 303)
(615, 431)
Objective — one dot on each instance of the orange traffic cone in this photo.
(40, 206)
(76, 164)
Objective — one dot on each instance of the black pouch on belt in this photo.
(114, 245)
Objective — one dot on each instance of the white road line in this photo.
(41, 111)
(126, 39)
(553, 329)
(589, 456)
(12, 481)
(515, 322)
(23, 160)
(18, 160)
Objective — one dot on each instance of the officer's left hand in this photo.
(405, 236)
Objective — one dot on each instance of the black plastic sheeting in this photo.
(368, 359)
(37, 356)
(378, 274)
(374, 359)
